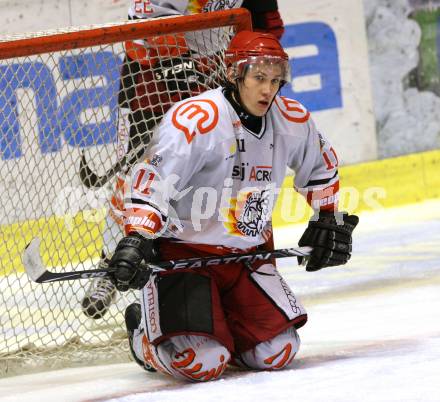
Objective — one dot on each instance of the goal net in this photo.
(76, 106)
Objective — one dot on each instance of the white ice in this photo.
(373, 332)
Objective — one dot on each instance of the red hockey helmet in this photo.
(248, 48)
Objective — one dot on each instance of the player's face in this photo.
(260, 85)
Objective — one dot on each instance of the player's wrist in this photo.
(145, 223)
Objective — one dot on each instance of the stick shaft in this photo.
(36, 270)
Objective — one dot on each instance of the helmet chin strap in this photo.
(237, 98)
(250, 121)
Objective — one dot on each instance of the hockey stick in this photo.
(136, 150)
(37, 272)
(90, 179)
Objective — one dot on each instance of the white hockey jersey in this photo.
(207, 173)
(140, 9)
(201, 41)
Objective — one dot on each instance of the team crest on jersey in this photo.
(197, 116)
(248, 214)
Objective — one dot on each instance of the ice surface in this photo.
(373, 332)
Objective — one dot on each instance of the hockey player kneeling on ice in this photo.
(149, 86)
(207, 187)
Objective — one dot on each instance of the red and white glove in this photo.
(269, 22)
(141, 226)
(143, 221)
(265, 16)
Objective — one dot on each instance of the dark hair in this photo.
(231, 86)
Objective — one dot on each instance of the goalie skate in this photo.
(99, 296)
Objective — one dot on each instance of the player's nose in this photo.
(266, 90)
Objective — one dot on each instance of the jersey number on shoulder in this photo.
(201, 114)
(330, 158)
(140, 184)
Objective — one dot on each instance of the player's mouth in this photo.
(263, 103)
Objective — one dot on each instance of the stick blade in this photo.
(32, 262)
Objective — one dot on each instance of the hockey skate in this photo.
(133, 315)
(99, 296)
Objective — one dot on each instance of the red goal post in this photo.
(60, 100)
(79, 38)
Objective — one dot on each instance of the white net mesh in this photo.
(54, 108)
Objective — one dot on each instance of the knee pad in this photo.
(187, 303)
(193, 357)
(274, 354)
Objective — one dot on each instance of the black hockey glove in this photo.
(330, 237)
(126, 260)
